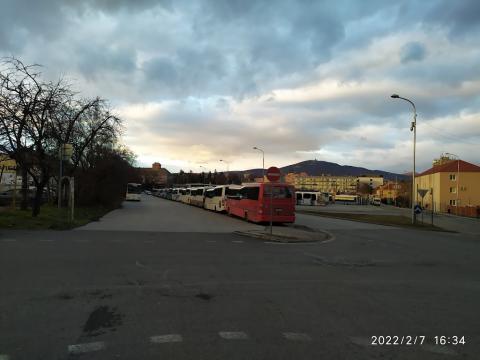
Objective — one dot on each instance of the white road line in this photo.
(169, 338)
(85, 348)
(237, 241)
(296, 336)
(437, 349)
(233, 335)
(4, 357)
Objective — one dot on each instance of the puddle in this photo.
(204, 296)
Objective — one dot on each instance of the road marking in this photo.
(361, 341)
(162, 339)
(4, 357)
(85, 348)
(233, 335)
(139, 264)
(437, 349)
(237, 241)
(296, 336)
(290, 243)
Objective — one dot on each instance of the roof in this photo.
(452, 166)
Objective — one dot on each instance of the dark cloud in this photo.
(412, 51)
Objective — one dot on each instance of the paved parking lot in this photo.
(156, 214)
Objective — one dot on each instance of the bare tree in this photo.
(38, 117)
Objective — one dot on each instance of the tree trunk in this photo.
(24, 202)
(37, 201)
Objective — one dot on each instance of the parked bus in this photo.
(185, 196)
(196, 198)
(133, 192)
(347, 199)
(216, 198)
(175, 194)
(253, 202)
(311, 198)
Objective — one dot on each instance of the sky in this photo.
(200, 81)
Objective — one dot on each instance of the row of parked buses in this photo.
(255, 202)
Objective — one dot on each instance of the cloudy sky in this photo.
(199, 81)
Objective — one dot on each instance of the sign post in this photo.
(422, 193)
(273, 175)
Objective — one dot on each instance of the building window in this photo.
(453, 202)
(453, 177)
(463, 188)
(453, 190)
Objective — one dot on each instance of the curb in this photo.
(286, 238)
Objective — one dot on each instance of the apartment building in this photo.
(323, 183)
(450, 185)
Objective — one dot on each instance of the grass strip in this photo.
(50, 217)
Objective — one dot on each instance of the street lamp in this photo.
(458, 179)
(203, 173)
(263, 162)
(413, 127)
(228, 164)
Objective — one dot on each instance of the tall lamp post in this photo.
(458, 180)
(228, 168)
(413, 127)
(203, 173)
(263, 162)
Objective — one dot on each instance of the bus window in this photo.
(299, 196)
(250, 192)
(281, 192)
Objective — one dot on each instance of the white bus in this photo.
(311, 198)
(185, 195)
(175, 194)
(196, 197)
(133, 192)
(216, 198)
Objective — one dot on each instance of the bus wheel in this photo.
(214, 208)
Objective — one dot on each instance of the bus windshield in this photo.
(134, 188)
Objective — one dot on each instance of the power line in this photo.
(450, 137)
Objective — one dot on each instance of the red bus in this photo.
(252, 202)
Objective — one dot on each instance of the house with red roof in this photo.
(451, 186)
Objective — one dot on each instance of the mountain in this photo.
(317, 168)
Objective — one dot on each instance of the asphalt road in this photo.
(109, 294)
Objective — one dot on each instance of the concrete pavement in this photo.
(104, 294)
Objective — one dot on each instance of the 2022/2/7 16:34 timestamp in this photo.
(411, 340)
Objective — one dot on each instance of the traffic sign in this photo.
(273, 174)
(417, 209)
(422, 192)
